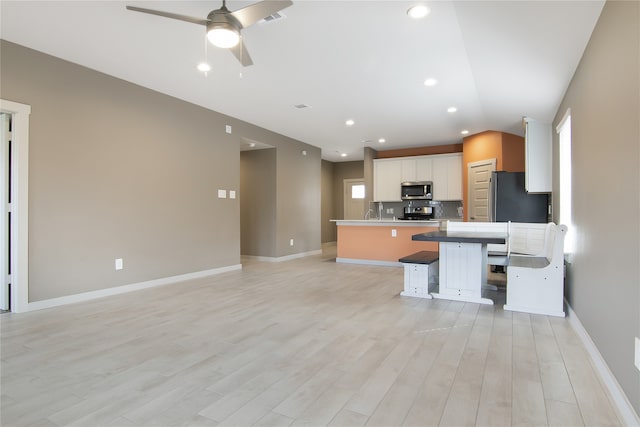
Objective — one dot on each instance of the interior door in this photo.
(354, 198)
(479, 181)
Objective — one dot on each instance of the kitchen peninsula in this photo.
(381, 242)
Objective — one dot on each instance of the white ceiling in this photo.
(496, 61)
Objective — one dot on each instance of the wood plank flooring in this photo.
(306, 342)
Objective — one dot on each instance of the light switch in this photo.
(227, 128)
(232, 194)
(394, 232)
(222, 194)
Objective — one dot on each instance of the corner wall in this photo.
(603, 280)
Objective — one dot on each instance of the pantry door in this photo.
(479, 180)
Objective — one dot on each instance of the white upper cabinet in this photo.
(409, 170)
(424, 169)
(447, 177)
(444, 170)
(387, 176)
(537, 139)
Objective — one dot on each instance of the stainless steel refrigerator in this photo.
(509, 201)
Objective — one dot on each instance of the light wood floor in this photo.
(304, 342)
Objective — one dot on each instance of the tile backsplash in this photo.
(448, 209)
(441, 209)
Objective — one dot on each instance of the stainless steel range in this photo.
(418, 212)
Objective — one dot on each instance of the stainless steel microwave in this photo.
(422, 190)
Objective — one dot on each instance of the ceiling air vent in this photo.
(275, 17)
(302, 106)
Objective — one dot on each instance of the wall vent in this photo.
(275, 17)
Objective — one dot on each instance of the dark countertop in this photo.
(461, 237)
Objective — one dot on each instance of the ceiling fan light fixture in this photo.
(223, 36)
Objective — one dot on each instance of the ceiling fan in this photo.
(224, 26)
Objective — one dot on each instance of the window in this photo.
(565, 217)
(357, 191)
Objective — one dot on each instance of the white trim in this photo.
(20, 203)
(283, 258)
(369, 262)
(567, 114)
(620, 400)
(86, 296)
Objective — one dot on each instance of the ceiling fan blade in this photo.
(241, 53)
(251, 14)
(186, 18)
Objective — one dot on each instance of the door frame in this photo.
(490, 162)
(19, 204)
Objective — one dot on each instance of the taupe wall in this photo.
(328, 229)
(298, 205)
(603, 280)
(258, 193)
(120, 171)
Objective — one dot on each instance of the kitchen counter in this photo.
(393, 222)
(381, 242)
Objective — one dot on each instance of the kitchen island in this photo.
(381, 242)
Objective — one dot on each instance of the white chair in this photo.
(535, 284)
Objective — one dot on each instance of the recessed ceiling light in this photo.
(382, 140)
(343, 155)
(349, 122)
(418, 11)
(465, 132)
(252, 144)
(452, 110)
(204, 67)
(430, 82)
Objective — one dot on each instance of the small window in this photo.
(565, 215)
(357, 191)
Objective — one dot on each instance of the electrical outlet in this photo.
(637, 354)
(291, 242)
(394, 232)
(227, 128)
(119, 264)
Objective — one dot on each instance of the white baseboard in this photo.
(620, 400)
(369, 262)
(86, 296)
(283, 258)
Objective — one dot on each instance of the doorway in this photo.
(354, 193)
(5, 211)
(15, 171)
(479, 183)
